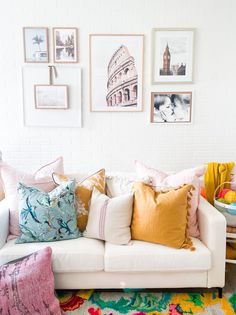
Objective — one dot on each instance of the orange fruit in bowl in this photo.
(230, 196)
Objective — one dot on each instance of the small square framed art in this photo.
(36, 44)
(65, 44)
(171, 107)
(51, 96)
(172, 55)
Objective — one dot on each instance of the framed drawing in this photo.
(116, 72)
(35, 44)
(51, 96)
(171, 107)
(65, 44)
(172, 55)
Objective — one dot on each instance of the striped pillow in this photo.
(110, 218)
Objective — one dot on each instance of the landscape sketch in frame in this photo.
(35, 44)
(116, 72)
(172, 55)
(51, 96)
(65, 45)
(171, 107)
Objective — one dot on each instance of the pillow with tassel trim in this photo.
(161, 217)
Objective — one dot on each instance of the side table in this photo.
(231, 238)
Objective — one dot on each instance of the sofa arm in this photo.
(4, 222)
(212, 226)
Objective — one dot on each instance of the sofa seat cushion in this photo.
(142, 256)
(77, 255)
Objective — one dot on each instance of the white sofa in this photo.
(88, 263)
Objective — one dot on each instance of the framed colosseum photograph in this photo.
(116, 72)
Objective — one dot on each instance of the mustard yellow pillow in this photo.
(161, 217)
(83, 194)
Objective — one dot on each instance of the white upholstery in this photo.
(143, 256)
(4, 222)
(77, 255)
(213, 234)
(118, 280)
(80, 263)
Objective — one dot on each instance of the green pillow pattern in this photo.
(46, 217)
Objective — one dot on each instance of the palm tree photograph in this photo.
(35, 44)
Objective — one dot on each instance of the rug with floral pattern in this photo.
(91, 302)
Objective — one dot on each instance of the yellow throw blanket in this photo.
(216, 174)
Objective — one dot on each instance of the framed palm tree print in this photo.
(35, 44)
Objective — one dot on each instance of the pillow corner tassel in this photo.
(188, 243)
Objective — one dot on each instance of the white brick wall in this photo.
(114, 140)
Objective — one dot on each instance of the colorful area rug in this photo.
(145, 303)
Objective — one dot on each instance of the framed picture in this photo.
(172, 55)
(64, 118)
(51, 96)
(36, 44)
(116, 72)
(65, 44)
(171, 107)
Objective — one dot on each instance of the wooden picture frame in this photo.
(65, 45)
(171, 107)
(116, 72)
(51, 96)
(172, 55)
(35, 42)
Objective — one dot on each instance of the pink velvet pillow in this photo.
(41, 179)
(160, 180)
(27, 285)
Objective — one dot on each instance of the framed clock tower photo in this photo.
(172, 55)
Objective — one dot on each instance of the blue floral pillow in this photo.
(46, 217)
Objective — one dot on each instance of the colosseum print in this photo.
(122, 84)
(116, 72)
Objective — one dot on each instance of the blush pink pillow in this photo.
(27, 285)
(160, 180)
(41, 179)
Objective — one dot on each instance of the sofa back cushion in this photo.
(119, 183)
(41, 179)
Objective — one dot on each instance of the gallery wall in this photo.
(115, 140)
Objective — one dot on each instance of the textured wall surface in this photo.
(114, 140)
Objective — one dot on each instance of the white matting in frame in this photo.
(39, 74)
